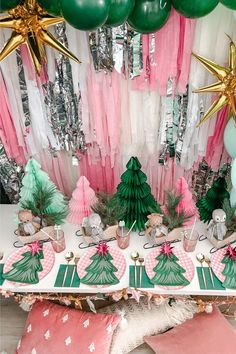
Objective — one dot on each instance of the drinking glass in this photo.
(58, 242)
(123, 240)
(190, 240)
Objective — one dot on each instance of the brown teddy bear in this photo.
(155, 228)
(28, 223)
(154, 220)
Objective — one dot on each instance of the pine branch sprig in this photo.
(40, 206)
(173, 219)
(230, 215)
(109, 208)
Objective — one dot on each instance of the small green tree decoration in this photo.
(101, 270)
(229, 271)
(26, 269)
(230, 216)
(213, 199)
(40, 195)
(173, 217)
(109, 208)
(168, 271)
(135, 194)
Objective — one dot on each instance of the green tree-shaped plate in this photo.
(118, 261)
(47, 262)
(218, 266)
(183, 260)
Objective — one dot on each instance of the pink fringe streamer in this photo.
(7, 129)
(59, 170)
(172, 57)
(104, 100)
(102, 177)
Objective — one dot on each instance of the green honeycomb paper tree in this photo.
(26, 269)
(213, 199)
(135, 194)
(101, 270)
(40, 195)
(168, 272)
(229, 260)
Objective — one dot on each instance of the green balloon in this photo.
(194, 8)
(229, 138)
(51, 6)
(6, 5)
(233, 173)
(149, 15)
(85, 15)
(229, 3)
(119, 12)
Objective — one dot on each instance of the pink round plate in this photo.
(216, 264)
(47, 262)
(184, 260)
(118, 261)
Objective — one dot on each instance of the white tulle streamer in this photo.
(40, 135)
(78, 42)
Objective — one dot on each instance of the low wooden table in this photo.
(8, 224)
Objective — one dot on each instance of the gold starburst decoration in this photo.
(225, 86)
(29, 24)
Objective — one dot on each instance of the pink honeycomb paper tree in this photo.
(82, 199)
(187, 203)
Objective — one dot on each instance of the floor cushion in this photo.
(143, 321)
(55, 329)
(205, 334)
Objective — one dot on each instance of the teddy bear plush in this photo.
(28, 223)
(154, 220)
(155, 228)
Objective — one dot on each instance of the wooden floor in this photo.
(12, 319)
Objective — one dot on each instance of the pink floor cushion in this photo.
(55, 329)
(205, 334)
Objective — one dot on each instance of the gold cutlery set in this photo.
(135, 257)
(69, 257)
(201, 259)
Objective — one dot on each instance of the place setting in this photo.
(165, 267)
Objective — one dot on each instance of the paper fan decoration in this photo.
(135, 194)
(82, 199)
(186, 204)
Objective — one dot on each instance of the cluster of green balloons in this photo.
(145, 16)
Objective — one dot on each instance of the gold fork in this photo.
(76, 261)
(208, 262)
